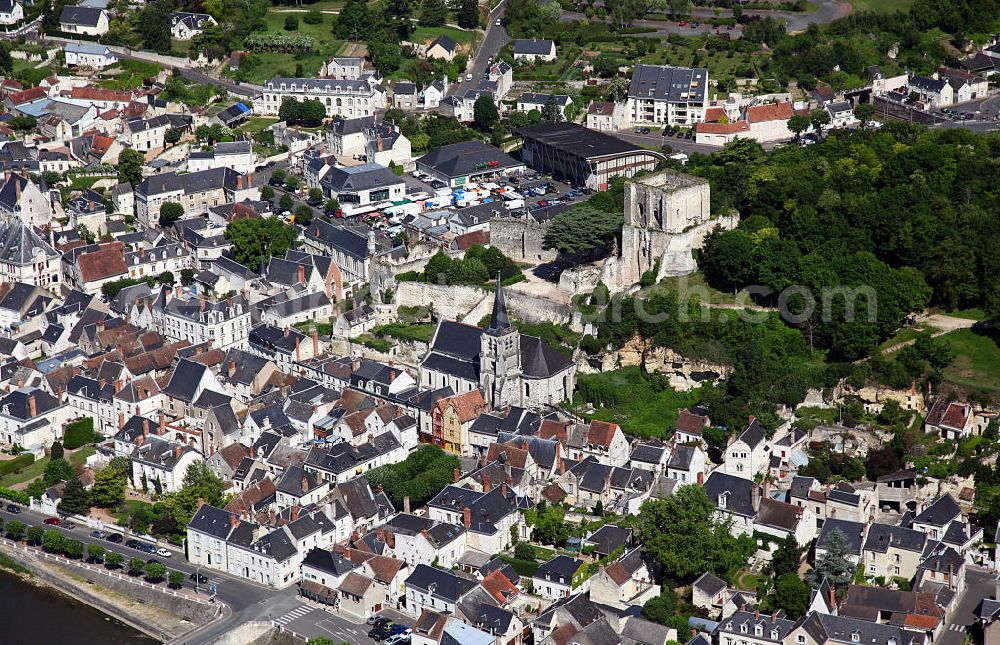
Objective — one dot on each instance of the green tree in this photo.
(303, 215)
(582, 231)
(523, 551)
(15, 530)
(331, 205)
(75, 498)
(683, 536)
(313, 17)
(173, 136)
(355, 21)
(109, 488)
(617, 90)
(53, 541)
(136, 566)
(57, 470)
(433, 13)
(467, 14)
(95, 552)
(286, 202)
(259, 238)
(130, 164)
(155, 571)
(291, 23)
(74, 549)
(315, 194)
(787, 557)
(170, 212)
(791, 595)
(819, 118)
(113, 560)
(385, 51)
(176, 579)
(864, 112)
(550, 111)
(266, 193)
(798, 123)
(550, 526)
(833, 564)
(35, 535)
(199, 482)
(485, 114)
(154, 25)
(56, 452)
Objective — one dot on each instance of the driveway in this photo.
(979, 584)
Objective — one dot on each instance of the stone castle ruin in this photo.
(667, 216)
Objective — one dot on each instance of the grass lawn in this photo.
(36, 469)
(80, 455)
(641, 405)
(427, 34)
(257, 124)
(977, 361)
(749, 581)
(131, 506)
(421, 332)
(881, 6)
(694, 286)
(903, 335)
(967, 314)
(262, 66)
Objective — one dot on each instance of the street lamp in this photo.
(197, 579)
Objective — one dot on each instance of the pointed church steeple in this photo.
(499, 321)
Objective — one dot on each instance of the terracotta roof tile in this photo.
(769, 112)
(468, 406)
(107, 262)
(601, 433)
(723, 128)
(499, 586)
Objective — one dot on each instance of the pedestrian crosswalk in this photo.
(956, 628)
(295, 614)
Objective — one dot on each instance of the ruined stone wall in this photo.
(520, 238)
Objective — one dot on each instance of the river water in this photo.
(31, 615)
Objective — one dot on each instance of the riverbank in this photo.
(160, 616)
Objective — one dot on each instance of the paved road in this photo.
(493, 41)
(980, 584)
(656, 139)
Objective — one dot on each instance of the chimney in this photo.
(163, 424)
(756, 614)
(390, 540)
(406, 504)
(305, 484)
(101, 383)
(59, 394)
(354, 535)
(121, 419)
(751, 419)
(426, 535)
(701, 479)
(288, 331)
(315, 337)
(177, 451)
(298, 352)
(755, 497)
(234, 519)
(467, 517)
(379, 489)
(76, 371)
(251, 452)
(201, 502)
(456, 475)
(201, 305)
(833, 599)
(145, 427)
(239, 182)
(503, 490)
(32, 407)
(379, 535)
(295, 513)
(486, 484)
(302, 274)
(232, 368)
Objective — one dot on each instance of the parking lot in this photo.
(539, 191)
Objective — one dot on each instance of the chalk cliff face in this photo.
(684, 373)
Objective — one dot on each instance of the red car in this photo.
(543, 202)
(52, 521)
(682, 23)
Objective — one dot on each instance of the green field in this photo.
(881, 6)
(28, 473)
(128, 74)
(977, 361)
(905, 334)
(968, 314)
(257, 124)
(641, 405)
(427, 34)
(265, 65)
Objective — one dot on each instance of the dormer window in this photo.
(774, 634)
(743, 628)
(758, 630)
(856, 637)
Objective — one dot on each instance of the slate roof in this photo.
(754, 434)
(460, 159)
(854, 533)
(673, 84)
(825, 628)
(608, 538)
(740, 492)
(341, 127)
(882, 536)
(211, 521)
(447, 585)
(357, 178)
(710, 584)
(942, 511)
(560, 569)
(533, 46)
(682, 457)
(83, 16)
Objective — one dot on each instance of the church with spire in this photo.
(510, 368)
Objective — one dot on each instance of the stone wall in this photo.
(520, 238)
(386, 269)
(451, 302)
(258, 633)
(684, 373)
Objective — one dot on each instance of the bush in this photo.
(524, 568)
(16, 464)
(15, 496)
(291, 23)
(313, 17)
(78, 433)
(57, 450)
(523, 551)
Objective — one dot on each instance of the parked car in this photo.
(543, 202)
(399, 628)
(153, 561)
(148, 548)
(398, 639)
(200, 578)
(163, 553)
(134, 544)
(378, 620)
(69, 526)
(642, 130)
(379, 633)
(52, 521)
(99, 535)
(13, 508)
(116, 538)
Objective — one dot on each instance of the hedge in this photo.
(78, 433)
(15, 496)
(17, 463)
(524, 568)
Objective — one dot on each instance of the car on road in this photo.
(98, 535)
(52, 521)
(499, 22)
(468, 77)
(398, 639)
(115, 538)
(69, 526)
(543, 202)
(148, 548)
(682, 23)
(153, 561)
(200, 578)
(13, 508)
(642, 130)
(134, 544)
(399, 628)
(163, 553)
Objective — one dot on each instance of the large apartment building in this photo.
(347, 98)
(195, 191)
(663, 95)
